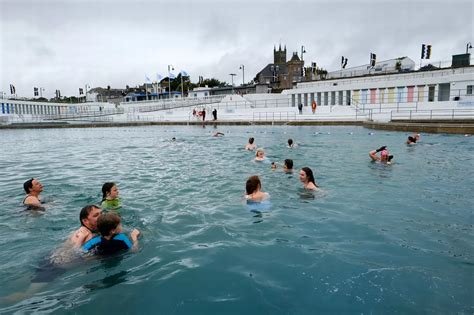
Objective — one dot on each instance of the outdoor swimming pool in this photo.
(377, 239)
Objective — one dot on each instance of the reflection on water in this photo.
(375, 239)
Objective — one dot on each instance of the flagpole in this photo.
(182, 89)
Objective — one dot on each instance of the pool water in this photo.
(375, 239)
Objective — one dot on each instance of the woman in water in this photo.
(307, 178)
(110, 199)
(260, 155)
(385, 157)
(253, 190)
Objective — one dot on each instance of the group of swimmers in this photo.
(385, 157)
(101, 229)
(253, 186)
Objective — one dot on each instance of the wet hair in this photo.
(252, 184)
(412, 139)
(309, 175)
(251, 140)
(390, 157)
(289, 164)
(106, 188)
(290, 142)
(259, 150)
(28, 185)
(107, 222)
(86, 211)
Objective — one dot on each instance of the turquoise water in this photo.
(376, 239)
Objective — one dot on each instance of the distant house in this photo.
(281, 74)
(109, 95)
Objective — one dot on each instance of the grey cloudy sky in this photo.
(59, 44)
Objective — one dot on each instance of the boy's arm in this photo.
(134, 236)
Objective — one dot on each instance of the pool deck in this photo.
(451, 127)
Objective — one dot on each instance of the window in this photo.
(469, 89)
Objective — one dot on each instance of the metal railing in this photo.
(433, 114)
(274, 116)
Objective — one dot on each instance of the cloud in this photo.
(66, 44)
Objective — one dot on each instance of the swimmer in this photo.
(385, 157)
(253, 188)
(88, 218)
(173, 139)
(110, 199)
(217, 134)
(251, 145)
(288, 166)
(33, 189)
(260, 155)
(413, 139)
(111, 239)
(291, 144)
(307, 178)
(274, 166)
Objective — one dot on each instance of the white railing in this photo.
(434, 114)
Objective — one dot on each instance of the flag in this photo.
(12, 89)
(373, 58)
(184, 73)
(35, 91)
(159, 77)
(171, 75)
(81, 91)
(147, 79)
(343, 62)
(425, 51)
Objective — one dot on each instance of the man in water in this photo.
(413, 139)
(88, 218)
(33, 189)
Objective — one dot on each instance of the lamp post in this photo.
(170, 68)
(468, 46)
(243, 74)
(232, 75)
(303, 51)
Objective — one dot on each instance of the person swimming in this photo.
(413, 139)
(253, 190)
(385, 156)
(288, 166)
(110, 199)
(291, 144)
(250, 145)
(218, 134)
(307, 178)
(111, 239)
(33, 189)
(260, 155)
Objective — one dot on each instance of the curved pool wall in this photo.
(376, 239)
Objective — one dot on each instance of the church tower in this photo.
(279, 56)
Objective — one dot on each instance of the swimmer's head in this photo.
(260, 153)
(289, 164)
(290, 142)
(274, 166)
(306, 175)
(88, 216)
(109, 190)
(411, 139)
(108, 223)
(384, 153)
(253, 184)
(32, 185)
(390, 157)
(173, 139)
(251, 140)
